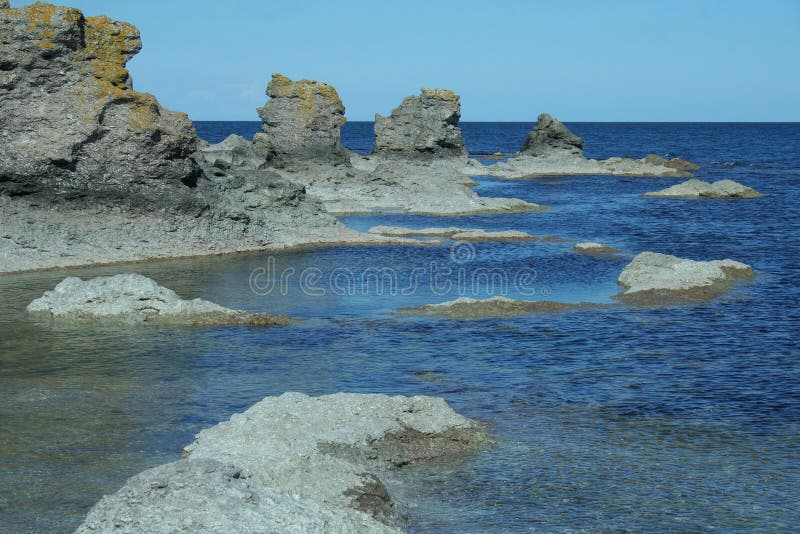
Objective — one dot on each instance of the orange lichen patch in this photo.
(40, 21)
(112, 41)
(441, 94)
(307, 91)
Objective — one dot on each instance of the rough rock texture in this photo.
(653, 278)
(674, 163)
(424, 125)
(71, 124)
(4, 4)
(133, 298)
(550, 135)
(469, 308)
(302, 123)
(700, 189)
(207, 496)
(456, 234)
(594, 248)
(331, 450)
(551, 149)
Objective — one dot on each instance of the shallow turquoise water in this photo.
(617, 419)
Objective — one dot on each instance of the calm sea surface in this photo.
(618, 419)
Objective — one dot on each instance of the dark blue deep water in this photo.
(676, 419)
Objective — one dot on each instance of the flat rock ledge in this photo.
(653, 279)
(469, 308)
(699, 189)
(594, 248)
(291, 463)
(454, 233)
(136, 299)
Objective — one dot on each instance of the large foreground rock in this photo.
(71, 124)
(653, 278)
(700, 189)
(133, 298)
(302, 123)
(469, 308)
(552, 149)
(424, 125)
(292, 463)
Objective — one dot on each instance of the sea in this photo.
(610, 419)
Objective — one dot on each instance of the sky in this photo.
(582, 60)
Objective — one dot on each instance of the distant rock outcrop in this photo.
(424, 125)
(594, 248)
(549, 135)
(653, 278)
(302, 123)
(700, 189)
(469, 308)
(71, 124)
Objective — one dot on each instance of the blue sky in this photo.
(582, 60)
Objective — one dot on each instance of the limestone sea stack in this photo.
(422, 126)
(302, 123)
(292, 463)
(133, 298)
(71, 124)
(653, 278)
(552, 149)
(700, 189)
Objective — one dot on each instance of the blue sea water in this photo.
(682, 418)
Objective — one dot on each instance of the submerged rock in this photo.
(456, 234)
(302, 123)
(424, 125)
(700, 189)
(653, 278)
(133, 298)
(594, 248)
(551, 135)
(469, 308)
(71, 124)
(208, 496)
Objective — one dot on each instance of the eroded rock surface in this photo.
(424, 125)
(71, 124)
(653, 278)
(594, 248)
(133, 298)
(469, 308)
(454, 233)
(302, 123)
(552, 149)
(700, 189)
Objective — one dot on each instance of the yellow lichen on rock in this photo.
(442, 94)
(304, 90)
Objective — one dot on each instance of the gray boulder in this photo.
(653, 278)
(302, 123)
(424, 125)
(550, 135)
(699, 189)
(71, 125)
(133, 298)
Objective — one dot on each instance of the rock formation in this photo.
(424, 125)
(71, 124)
(133, 298)
(302, 123)
(469, 308)
(653, 278)
(552, 149)
(456, 234)
(550, 135)
(307, 464)
(700, 189)
(594, 248)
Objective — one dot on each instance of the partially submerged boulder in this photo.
(551, 135)
(302, 123)
(424, 125)
(653, 278)
(674, 163)
(133, 298)
(454, 233)
(71, 124)
(469, 308)
(699, 189)
(594, 248)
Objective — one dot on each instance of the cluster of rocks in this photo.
(135, 299)
(552, 149)
(292, 463)
(699, 189)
